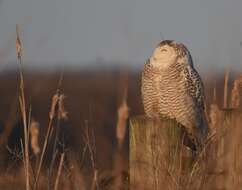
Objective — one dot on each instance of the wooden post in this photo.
(156, 159)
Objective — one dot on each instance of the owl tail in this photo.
(202, 132)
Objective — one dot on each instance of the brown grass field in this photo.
(89, 149)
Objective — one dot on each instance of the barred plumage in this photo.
(172, 87)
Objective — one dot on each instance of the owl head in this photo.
(167, 53)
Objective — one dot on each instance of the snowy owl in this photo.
(171, 87)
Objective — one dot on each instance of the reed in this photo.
(236, 93)
(226, 80)
(23, 109)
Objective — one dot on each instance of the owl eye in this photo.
(163, 50)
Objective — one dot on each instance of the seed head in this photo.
(18, 44)
(34, 134)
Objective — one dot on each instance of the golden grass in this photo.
(59, 171)
(23, 108)
(226, 79)
(236, 93)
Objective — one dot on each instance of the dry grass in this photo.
(56, 114)
(22, 102)
(71, 168)
(226, 79)
(236, 93)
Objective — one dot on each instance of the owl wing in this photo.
(194, 85)
(195, 89)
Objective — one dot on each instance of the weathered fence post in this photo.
(156, 159)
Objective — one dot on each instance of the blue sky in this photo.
(78, 32)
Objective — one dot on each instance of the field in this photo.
(91, 148)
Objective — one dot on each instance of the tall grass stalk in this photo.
(235, 94)
(226, 79)
(47, 137)
(121, 128)
(23, 109)
(91, 146)
(59, 171)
